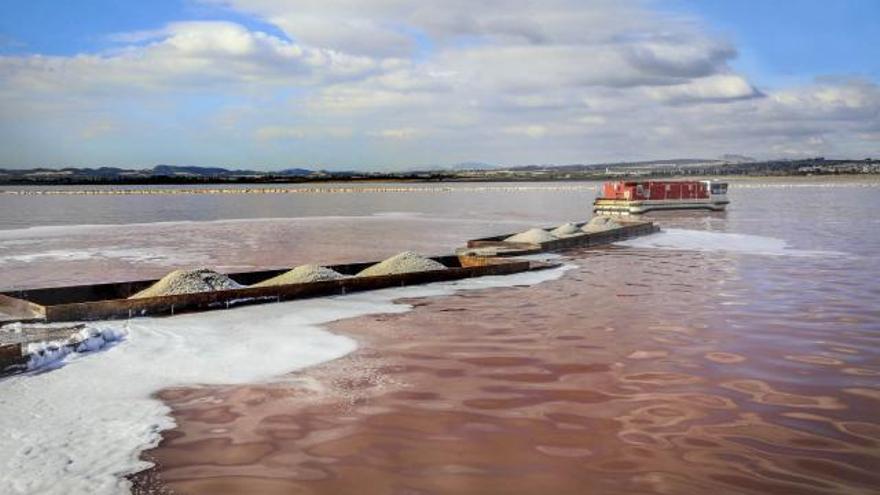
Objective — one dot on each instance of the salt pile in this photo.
(532, 236)
(81, 429)
(302, 274)
(89, 339)
(405, 262)
(188, 282)
(566, 229)
(600, 223)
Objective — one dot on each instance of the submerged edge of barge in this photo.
(482, 257)
(110, 301)
(497, 246)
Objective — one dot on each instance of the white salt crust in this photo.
(80, 428)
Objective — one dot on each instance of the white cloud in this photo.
(187, 55)
(532, 131)
(271, 133)
(716, 88)
(97, 128)
(402, 133)
(282, 133)
(359, 83)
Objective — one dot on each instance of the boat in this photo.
(636, 197)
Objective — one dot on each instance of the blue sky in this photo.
(778, 41)
(53, 27)
(394, 84)
(781, 41)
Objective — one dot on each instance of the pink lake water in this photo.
(737, 352)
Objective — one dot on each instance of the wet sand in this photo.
(640, 371)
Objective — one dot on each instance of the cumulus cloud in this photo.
(186, 55)
(718, 88)
(369, 83)
(532, 131)
(281, 133)
(401, 133)
(270, 133)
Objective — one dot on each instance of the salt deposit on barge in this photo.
(158, 297)
(598, 231)
(635, 197)
(204, 289)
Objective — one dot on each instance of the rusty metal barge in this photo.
(498, 246)
(111, 301)
(33, 309)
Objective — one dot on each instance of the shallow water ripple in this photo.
(590, 381)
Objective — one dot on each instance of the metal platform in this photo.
(110, 301)
(497, 246)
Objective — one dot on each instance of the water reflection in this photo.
(588, 383)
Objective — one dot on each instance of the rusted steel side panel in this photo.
(125, 308)
(508, 248)
(19, 309)
(121, 290)
(585, 240)
(473, 260)
(11, 355)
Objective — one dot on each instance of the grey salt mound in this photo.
(600, 223)
(302, 274)
(188, 282)
(533, 236)
(405, 262)
(566, 229)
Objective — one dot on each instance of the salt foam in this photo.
(701, 240)
(46, 354)
(80, 429)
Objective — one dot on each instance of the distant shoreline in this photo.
(163, 175)
(177, 181)
(379, 186)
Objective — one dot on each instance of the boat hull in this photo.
(630, 207)
(110, 301)
(498, 246)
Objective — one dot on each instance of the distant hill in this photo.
(732, 158)
(160, 174)
(467, 171)
(176, 170)
(471, 166)
(666, 163)
(294, 172)
(172, 170)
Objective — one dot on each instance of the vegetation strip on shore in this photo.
(284, 190)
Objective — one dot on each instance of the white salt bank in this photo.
(80, 429)
(708, 241)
